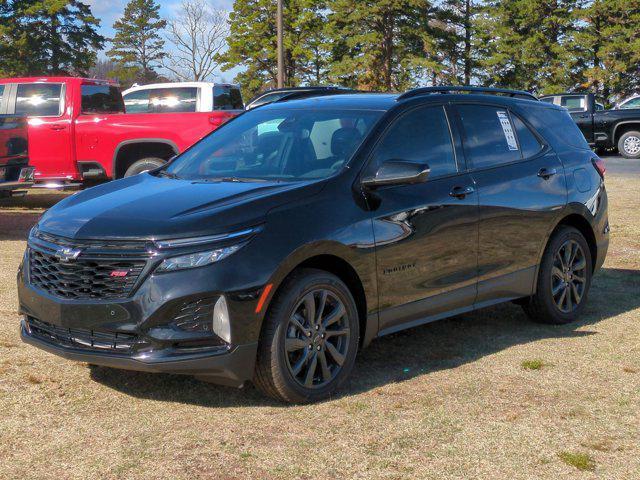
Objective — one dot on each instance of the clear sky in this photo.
(108, 11)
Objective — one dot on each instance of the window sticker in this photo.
(508, 130)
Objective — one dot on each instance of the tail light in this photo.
(598, 164)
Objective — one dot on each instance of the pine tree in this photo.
(47, 37)
(137, 45)
(380, 45)
(453, 30)
(526, 44)
(252, 43)
(608, 45)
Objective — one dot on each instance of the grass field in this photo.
(485, 395)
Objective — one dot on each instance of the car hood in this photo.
(146, 206)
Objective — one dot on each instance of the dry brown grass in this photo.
(450, 400)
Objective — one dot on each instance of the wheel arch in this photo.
(621, 128)
(339, 265)
(142, 147)
(580, 223)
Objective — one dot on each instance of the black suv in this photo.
(283, 242)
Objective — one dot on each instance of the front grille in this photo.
(82, 338)
(90, 278)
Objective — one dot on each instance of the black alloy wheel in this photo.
(564, 278)
(569, 279)
(317, 339)
(309, 338)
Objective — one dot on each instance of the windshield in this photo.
(277, 144)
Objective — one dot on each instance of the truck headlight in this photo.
(199, 259)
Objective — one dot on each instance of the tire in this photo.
(544, 306)
(144, 165)
(284, 375)
(629, 144)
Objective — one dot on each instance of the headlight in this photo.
(199, 259)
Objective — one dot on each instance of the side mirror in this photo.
(398, 172)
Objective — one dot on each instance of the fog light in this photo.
(221, 326)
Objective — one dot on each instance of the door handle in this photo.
(547, 172)
(461, 192)
(57, 127)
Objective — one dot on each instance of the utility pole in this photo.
(279, 29)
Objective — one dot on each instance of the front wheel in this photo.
(144, 165)
(564, 279)
(309, 339)
(629, 144)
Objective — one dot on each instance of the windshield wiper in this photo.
(232, 179)
(164, 173)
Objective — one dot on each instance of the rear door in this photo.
(426, 234)
(521, 191)
(50, 128)
(94, 128)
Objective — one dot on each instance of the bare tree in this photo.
(198, 34)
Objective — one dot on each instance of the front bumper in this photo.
(146, 315)
(233, 367)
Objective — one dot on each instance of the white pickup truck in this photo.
(182, 97)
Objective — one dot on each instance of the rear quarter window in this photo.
(227, 97)
(101, 99)
(556, 126)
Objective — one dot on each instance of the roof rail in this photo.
(314, 93)
(452, 89)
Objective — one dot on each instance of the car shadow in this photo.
(395, 358)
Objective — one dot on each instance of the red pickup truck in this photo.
(79, 131)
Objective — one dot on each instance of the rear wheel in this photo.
(629, 144)
(144, 165)
(309, 340)
(564, 279)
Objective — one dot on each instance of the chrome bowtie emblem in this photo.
(67, 254)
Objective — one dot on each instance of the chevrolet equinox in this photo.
(280, 244)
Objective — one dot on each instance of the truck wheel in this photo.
(144, 165)
(564, 278)
(629, 144)
(310, 338)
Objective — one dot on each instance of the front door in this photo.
(49, 121)
(426, 234)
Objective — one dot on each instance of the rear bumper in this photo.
(232, 367)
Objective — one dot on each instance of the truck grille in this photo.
(82, 338)
(83, 278)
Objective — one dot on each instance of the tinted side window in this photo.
(173, 100)
(422, 136)
(38, 99)
(489, 135)
(101, 99)
(226, 97)
(137, 102)
(529, 144)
